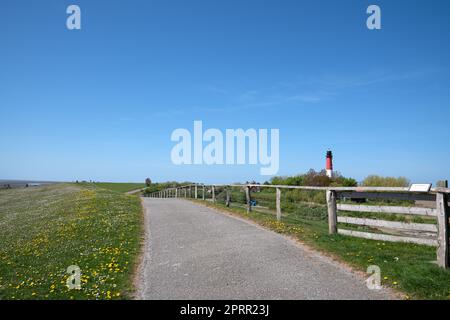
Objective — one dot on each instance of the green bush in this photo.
(379, 181)
(314, 178)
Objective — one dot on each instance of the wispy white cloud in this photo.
(301, 92)
(215, 89)
(334, 81)
(311, 98)
(249, 95)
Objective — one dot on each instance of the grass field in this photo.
(45, 230)
(120, 187)
(406, 267)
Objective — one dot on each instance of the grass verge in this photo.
(408, 268)
(45, 230)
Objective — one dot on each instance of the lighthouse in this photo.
(329, 164)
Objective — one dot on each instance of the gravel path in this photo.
(195, 252)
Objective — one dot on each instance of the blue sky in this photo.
(101, 103)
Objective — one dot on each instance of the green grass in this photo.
(45, 230)
(406, 267)
(120, 187)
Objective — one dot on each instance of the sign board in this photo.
(420, 187)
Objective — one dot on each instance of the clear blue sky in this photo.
(102, 102)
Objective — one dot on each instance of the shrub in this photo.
(379, 181)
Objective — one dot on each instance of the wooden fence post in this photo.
(196, 192)
(278, 204)
(203, 194)
(443, 230)
(248, 199)
(176, 192)
(332, 211)
(228, 198)
(213, 193)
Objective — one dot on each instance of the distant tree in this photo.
(287, 181)
(316, 179)
(340, 181)
(442, 184)
(148, 182)
(379, 181)
(348, 182)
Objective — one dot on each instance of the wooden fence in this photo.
(430, 234)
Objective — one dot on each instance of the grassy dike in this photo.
(120, 187)
(408, 268)
(45, 230)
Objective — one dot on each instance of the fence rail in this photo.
(435, 233)
(388, 209)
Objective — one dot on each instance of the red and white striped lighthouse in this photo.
(329, 165)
